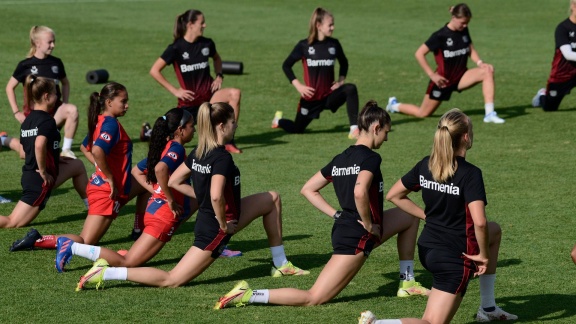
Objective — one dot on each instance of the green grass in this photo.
(528, 163)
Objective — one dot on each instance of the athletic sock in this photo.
(489, 108)
(89, 252)
(260, 296)
(406, 269)
(46, 242)
(3, 139)
(388, 321)
(278, 255)
(138, 222)
(487, 300)
(67, 145)
(113, 273)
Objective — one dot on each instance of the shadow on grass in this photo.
(59, 219)
(539, 308)
(268, 138)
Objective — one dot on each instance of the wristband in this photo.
(220, 75)
(479, 62)
(16, 112)
(337, 214)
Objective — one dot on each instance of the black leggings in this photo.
(346, 93)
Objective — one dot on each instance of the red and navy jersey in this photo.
(49, 67)
(343, 171)
(173, 155)
(451, 51)
(217, 161)
(191, 64)
(111, 137)
(562, 69)
(318, 60)
(40, 123)
(449, 223)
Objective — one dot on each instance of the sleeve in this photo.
(372, 163)
(467, 31)
(46, 127)
(474, 187)
(433, 42)
(294, 57)
(411, 180)
(61, 70)
(224, 165)
(142, 165)
(20, 73)
(327, 171)
(342, 60)
(188, 162)
(561, 36)
(169, 55)
(109, 135)
(174, 157)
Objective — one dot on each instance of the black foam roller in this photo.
(97, 76)
(229, 67)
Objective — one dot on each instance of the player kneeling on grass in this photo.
(360, 226)
(221, 212)
(455, 198)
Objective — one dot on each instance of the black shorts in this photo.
(450, 270)
(34, 193)
(350, 238)
(441, 94)
(209, 236)
(194, 111)
(555, 92)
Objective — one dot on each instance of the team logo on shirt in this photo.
(205, 51)
(205, 169)
(55, 69)
(185, 55)
(465, 39)
(440, 187)
(332, 50)
(34, 70)
(311, 50)
(449, 42)
(571, 34)
(172, 155)
(29, 132)
(355, 169)
(106, 137)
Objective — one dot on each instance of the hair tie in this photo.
(164, 117)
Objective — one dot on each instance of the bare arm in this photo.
(87, 154)
(65, 90)
(40, 150)
(162, 174)
(481, 230)
(156, 73)
(311, 190)
(398, 195)
(420, 55)
(178, 181)
(219, 203)
(11, 94)
(362, 200)
(476, 59)
(100, 162)
(217, 83)
(140, 177)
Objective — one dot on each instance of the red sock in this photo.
(46, 242)
(139, 221)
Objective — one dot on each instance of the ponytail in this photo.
(210, 116)
(447, 140)
(35, 87)
(372, 113)
(163, 131)
(318, 16)
(182, 21)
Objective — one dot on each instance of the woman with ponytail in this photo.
(189, 54)
(42, 170)
(321, 90)
(167, 208)
(454, 244)
(221, 213)
(40, 62)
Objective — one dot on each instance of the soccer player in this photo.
(189, 54)
(221, 213)
(573, 254)
(452, 46)
(360, 225)
(167, 208)
(40, 62)
(563, 74)
(454, 244)
(40, 143)
(319, 53)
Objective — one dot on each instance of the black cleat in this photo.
(135, 235)
(27, 242)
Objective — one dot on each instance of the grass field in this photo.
(528, 162)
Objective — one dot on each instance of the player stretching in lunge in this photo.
(451, 45)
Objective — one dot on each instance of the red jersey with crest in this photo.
(111, 137)
(318, 60)
(191, 64)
